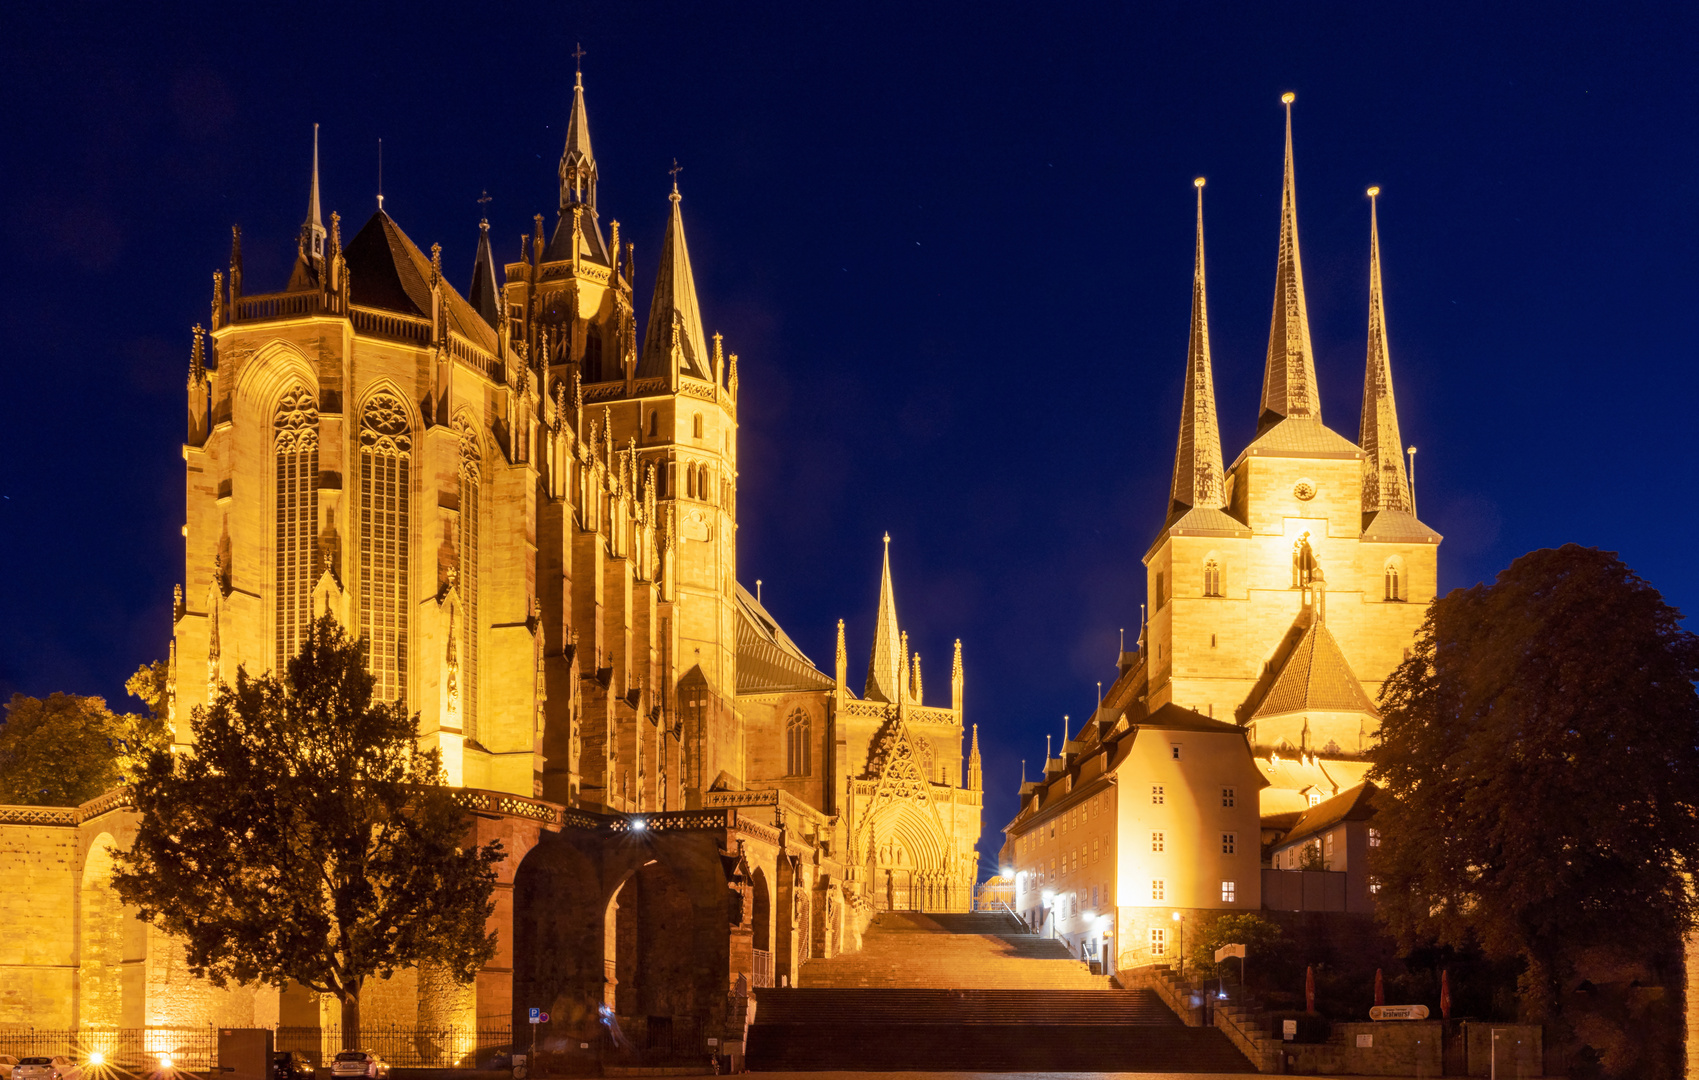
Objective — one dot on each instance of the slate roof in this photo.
(1302, 436)
(1315, 678)
(1397, 526)
(387, 270)
(768, 661)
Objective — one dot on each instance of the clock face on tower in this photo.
(1305, 490)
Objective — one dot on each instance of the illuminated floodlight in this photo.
(1102, 920)
(1090, 915)
(1177, 916)
(165, 1061)
(638, 825)
(97, 1058)
(1049, 897)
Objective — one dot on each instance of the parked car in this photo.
(292, 1065)
(365, 1063)
(35, 1068)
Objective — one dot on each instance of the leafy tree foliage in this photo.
(1541, 747)
(1259, 937)
(307, 837)
(59, 751)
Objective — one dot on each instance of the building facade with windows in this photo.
(524, 499)
(1139, 821)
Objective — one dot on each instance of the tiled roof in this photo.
(1315, 678)
(1302, 436)
(768, 661)
(387, 270)
(1396, 526)
(1353, 804)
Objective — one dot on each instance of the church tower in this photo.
(1282, 597)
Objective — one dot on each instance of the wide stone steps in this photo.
(940, 993)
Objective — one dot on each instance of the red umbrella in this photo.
(1380, 989)
(1445, 994)
(1310, 989)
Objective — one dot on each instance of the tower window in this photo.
(654, 423)
(1156, 794)
(1394, 579)
(1161, 590)
(696, 425)
(1156, 843)
(295, 459)
(1212, 578)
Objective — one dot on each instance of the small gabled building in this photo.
(1335, 835)
(1145, 821)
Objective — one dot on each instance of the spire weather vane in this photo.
(578, 55)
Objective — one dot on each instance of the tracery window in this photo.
(1212, 578)
(1394, 579)
(798, 731)
(471, 509)
(386, 450)
(295, 459)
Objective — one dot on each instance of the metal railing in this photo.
(407, 1046)
(763, 973)
(138, 1050)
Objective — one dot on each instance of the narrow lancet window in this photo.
(797, 741)
(386, 450)
(470, 511)
(295, 460)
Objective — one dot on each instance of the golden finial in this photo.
(1288, 98)
(1374, 191)
(1198, 183)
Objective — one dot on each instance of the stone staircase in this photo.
(971, 993)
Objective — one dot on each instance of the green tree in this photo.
(1541, 747)
(1259, 937)
(59, 751)
(307, 837)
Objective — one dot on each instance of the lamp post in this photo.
(1181, 919)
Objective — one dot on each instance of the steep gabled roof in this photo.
(1352, 804)
(674, 306)
(1397, 526)
(768, 661)
(1315, 678)
(387, 270)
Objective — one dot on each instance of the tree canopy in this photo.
(307, 837)
(1541, 747)
(65, 749)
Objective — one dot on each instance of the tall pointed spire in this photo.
(1385, 485)
(975, 766)
(1289, 380)
(577, 163)
(1199, 480)
(485, 294)
(312, 229)
(885, 666)
(675, 321)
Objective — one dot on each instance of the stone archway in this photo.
(649, 932)
(761, 923)
(558, 944)
(104, 938)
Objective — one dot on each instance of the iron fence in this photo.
(406, 1046)
(138, 1050)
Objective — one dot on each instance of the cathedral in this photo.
(523, 497)
(1283, 590)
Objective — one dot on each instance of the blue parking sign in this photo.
(534, 1015)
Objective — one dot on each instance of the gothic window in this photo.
(1395, 578)
(1212, 578)
(654, 423)
(386, 450)
(295, 462)
(1161, 591)
(702, 490)
(797, 743)
(593, 356)
(690, 481)
(470, 512)
(696, 425)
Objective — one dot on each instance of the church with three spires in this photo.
(1282, 590)
(524, 499)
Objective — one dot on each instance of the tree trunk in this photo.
(351, 1018)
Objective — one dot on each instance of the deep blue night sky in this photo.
(952, 245)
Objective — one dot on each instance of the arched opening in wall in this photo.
(654, 423)
(559, 952)
(798, 739)
(703, 491)
(761, 922)
(696, 425)
(386, 453)
(689, 482)
(652, 951)
(101, 947)
(1394, 578)
(295, 512)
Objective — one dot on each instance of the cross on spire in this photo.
(673, 172)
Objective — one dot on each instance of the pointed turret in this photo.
(885, 666)
(312, 229)
(1385, 484)
(578, 233)
(956, 679)
(1289, 380)
(975, 771)
(484, 294)
(674, 338)
(1198, 475)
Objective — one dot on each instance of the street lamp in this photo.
(1181, 919)
(1049, 899)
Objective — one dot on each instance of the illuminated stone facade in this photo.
(1282, 591)
(525, 500)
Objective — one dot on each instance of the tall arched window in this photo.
(696, 426)
(386, 449)
(1212, 578)
(295, 460)
(1394, 579)
(797, 742)
(690, 481)
(654, 423)
(470, 510)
